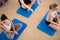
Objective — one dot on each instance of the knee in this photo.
(58, 29)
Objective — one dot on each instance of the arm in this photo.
(6, 29)
(25, 4)
(52, 21)
(13, 27)
(15, 32)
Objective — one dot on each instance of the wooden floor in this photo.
(31, 32)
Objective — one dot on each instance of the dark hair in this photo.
(52, 6)
(3, 17)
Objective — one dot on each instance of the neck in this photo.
(53, 11)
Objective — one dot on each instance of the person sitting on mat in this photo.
(9, 28)
(27, 4)
(2, 1)
(53, 19)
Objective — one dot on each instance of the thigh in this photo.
(58, 18)
(17, 26)
(24, 7)
(33, 1)
(54, 26)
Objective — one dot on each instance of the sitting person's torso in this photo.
(7, 26)
(51, 15)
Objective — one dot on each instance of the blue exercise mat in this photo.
(58, 13)
(24, 12)
(2, 4)
(45, 28)
(3, 35)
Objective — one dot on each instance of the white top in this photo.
(7, 27)
(53, 15)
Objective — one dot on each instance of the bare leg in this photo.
(32, 2)
(28, 6)
(24, 7)
(54, 26)
(18, 26)
(58, 18)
